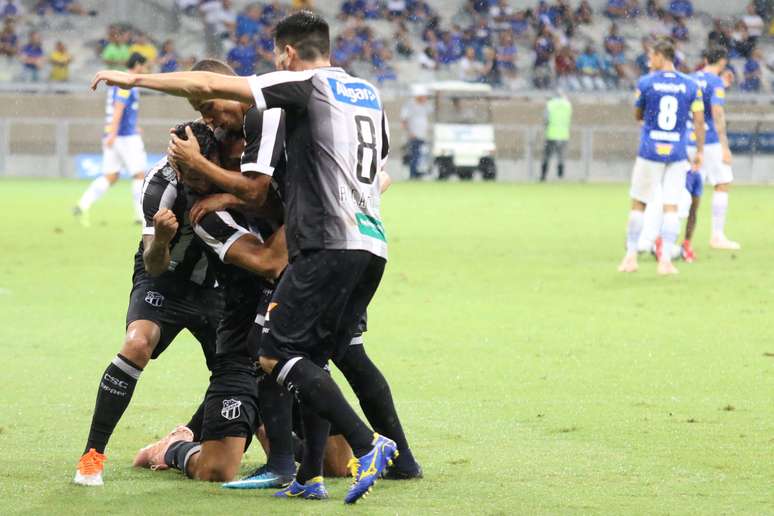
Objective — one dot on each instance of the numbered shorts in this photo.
(175, 307)
(649, 178)
(713, 169)
(127, 153)
(231, 402)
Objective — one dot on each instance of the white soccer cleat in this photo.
(721, 242)
(90, 467)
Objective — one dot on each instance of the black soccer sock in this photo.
(115, 391)
(317, 390)
(276, 406)
(316, 430)
(373, 392)
(179, 453)
(543, 171)
(196, 422)
(560, 170)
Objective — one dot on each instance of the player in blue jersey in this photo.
(122, 146)
(717, 155)
(666, 99)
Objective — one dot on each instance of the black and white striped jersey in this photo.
(161, 189)
(337, 139)
(246, 294)
(264, 152)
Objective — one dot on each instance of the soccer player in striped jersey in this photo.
(122, 146)
(666, 99)
(243, 254)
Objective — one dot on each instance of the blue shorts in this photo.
(694, 183)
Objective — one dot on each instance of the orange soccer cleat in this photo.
(90, 467)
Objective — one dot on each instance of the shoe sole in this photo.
(250, 484)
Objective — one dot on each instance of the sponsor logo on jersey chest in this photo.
(355, 93)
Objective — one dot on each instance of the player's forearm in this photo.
(701, 133)
(234, 183)
(156, 257)
(200, 85)
(720, 127)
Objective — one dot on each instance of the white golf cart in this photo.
(463, 134)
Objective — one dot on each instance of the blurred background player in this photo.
(122, 145)
(558, 118)
(665, 101)
(415, 119)
(717, 154)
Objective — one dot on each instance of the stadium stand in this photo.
(579, 45)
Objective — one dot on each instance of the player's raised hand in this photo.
(113, 78)
(165, 225)
(184, 151)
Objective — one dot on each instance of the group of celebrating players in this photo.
(682, 118)
(262, 236)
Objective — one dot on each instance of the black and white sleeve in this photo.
(219, 231)
(158, 191)
(287, 90)
(264, 133)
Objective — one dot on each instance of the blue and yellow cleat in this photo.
(313, 489)
(261, 478)
(368, 468)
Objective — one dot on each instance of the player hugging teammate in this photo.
(336, 254)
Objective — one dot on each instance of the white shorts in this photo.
(713, 170)
(653, 179)
(127, 153)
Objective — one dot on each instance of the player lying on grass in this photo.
(173, 288)
(665, 101)
(234, 245)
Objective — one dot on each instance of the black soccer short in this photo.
(231, 402)
(175, 307)
(319, 303)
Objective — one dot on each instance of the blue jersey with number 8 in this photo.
(667, 100)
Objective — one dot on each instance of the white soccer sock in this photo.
(719, 209)
(669, 231)
(137, 197)
(96, 189)
(633, 230)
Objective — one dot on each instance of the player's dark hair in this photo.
(214, 66)
(135, 59)
(208, 145)
(666, 47)
(305, 31)
(715, 54)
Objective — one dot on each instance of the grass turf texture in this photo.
(531, 377)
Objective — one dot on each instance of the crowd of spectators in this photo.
(483, 41)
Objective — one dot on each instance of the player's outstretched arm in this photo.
(156, 255)
(198, 85)
(266, 259)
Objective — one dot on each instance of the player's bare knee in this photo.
(111, 178)
(138, 348)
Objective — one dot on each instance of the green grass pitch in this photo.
(531, 377)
